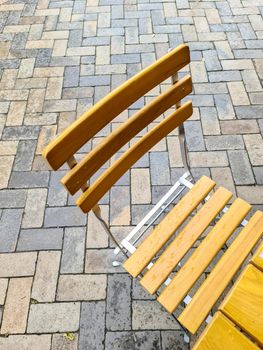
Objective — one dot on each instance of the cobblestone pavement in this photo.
(56, 59)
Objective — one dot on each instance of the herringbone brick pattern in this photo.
(56, 59)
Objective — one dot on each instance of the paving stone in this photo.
(66, 216)
(254, 145)
(251, 81)
(245, 112)
(150, 315)
(24, 156)
(26, 179)
(224, 76)
(16, 305)
(223, 177)
(258, 172)
(34, 209)
(120, 209)
(81, 287)
(140, 186)
(24, 342)
(239, 127)
(10, 222)
(52, 318)
(92, 326)
(194, 136)
(252, 194)
(40, 239)
(100, 261)
(133, 340)
(61, 342)
(212, 62)
(240, 167)
(12, 198)
(160, 174)
(209, 120)
(173, 340)
(208, 159)
(224, 107)
(118, 314)
(198, 72)
(224, 142)
(17, 264)
(96, 235)
(175, 157)
(138, 292)
(238, 93)
(6, 163)
(72, 260)
(3, 289)
(45, 281)
(57, 196)
(71, 77)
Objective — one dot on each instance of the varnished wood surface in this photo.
(97, 190)
(170, 223)
(244, 304)
(257, 258)
(183, 281)
(184, 241)
(97, 117)
(221, 334)
(214, 285)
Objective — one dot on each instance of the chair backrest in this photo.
(63, 148)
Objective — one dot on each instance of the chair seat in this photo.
(160, 277)
(221, 334)
(244, 304)
(257, 259)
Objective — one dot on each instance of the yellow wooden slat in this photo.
(182, 282)
(172, 221)
(97, 117)
(97, 190)
(244, 303)
(221, 334)
(257, 259)
(184, 241)
(77, 176)
(209, 292)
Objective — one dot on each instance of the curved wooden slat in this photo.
(174, 253)
(96, 191)
(167, 227)
(77, 176)
(211, 289)
(78, 133)
(183, 281)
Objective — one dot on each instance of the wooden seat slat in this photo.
(183, 281)
(173, 254)
(257, 258)
(212, 288)
(221, 334)
(244, 304)
(171, 222)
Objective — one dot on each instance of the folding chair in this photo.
(167, 275)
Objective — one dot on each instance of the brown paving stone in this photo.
(16, 305)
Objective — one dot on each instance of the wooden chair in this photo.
(165, 275)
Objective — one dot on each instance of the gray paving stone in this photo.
(92, 326)
(73, 250)
(118, 313)
(21, 133)
(241, 168)
(159, 164)
(245, 112)
(57, 195)
(173, 340)
(224, 142)
(194, 136)
(211, 60)
(224, 107)
(133, 340)
(10, 223)
(71, 77)
(40, 239)
(258, 172)
(24, 156)
(66, 216)
(29, 179)
(12, 198)
(61, 342)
